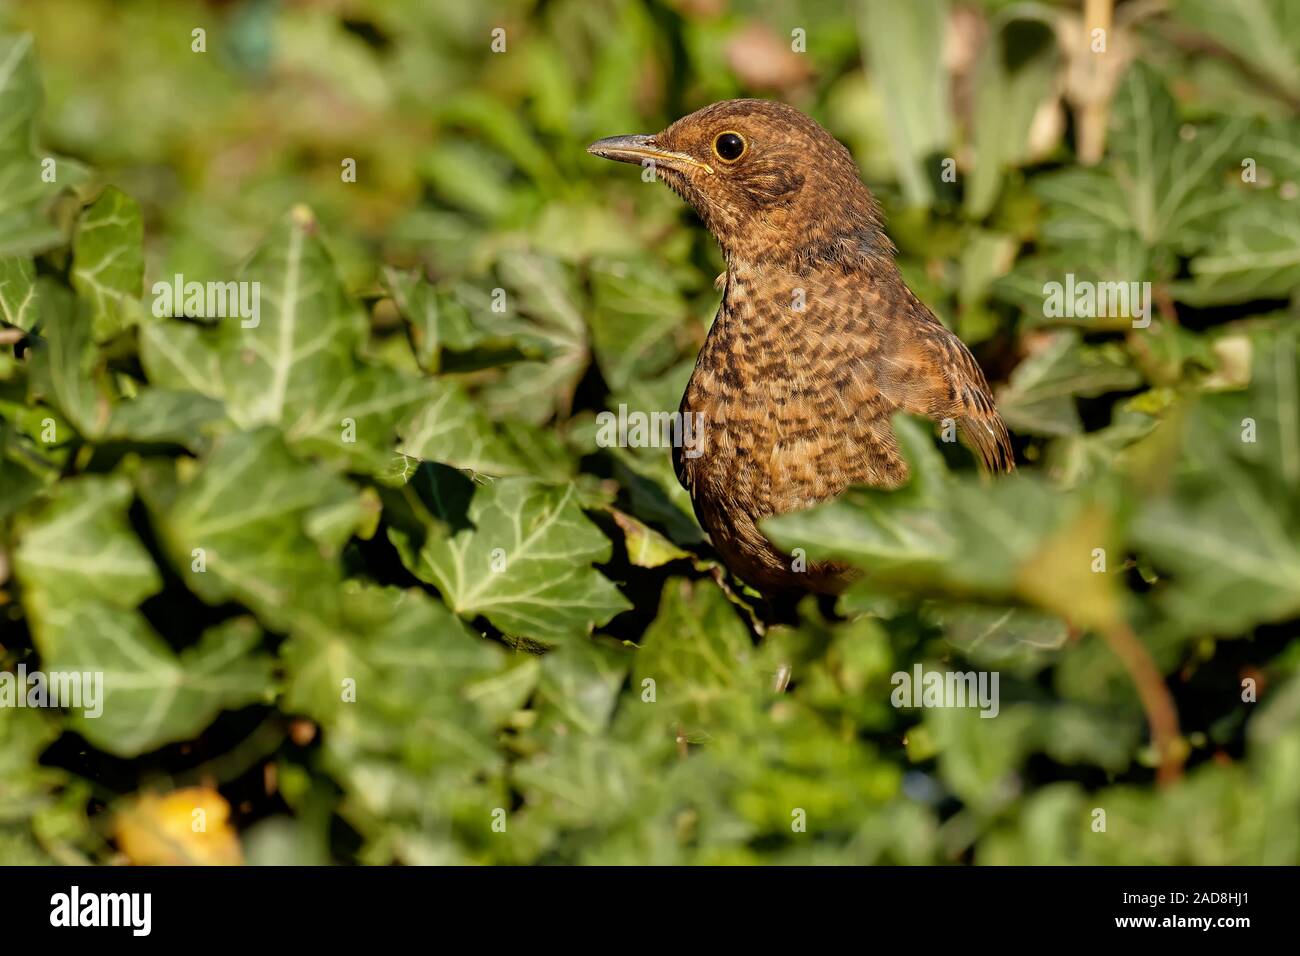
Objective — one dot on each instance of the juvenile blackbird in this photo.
(817, 342)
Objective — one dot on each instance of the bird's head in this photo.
(768, 181)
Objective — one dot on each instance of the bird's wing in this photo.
(924, 369)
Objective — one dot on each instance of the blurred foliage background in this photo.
(467, 633)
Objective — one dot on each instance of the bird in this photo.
(817, 342)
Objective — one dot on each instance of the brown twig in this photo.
(1157, 702)
(1165, 303)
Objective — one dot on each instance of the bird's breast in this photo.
(783, 426)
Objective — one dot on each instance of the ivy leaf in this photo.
(1003, 637)
(646, 547)
(436, 320)
(108, 262)
(228, 544)
(297, 367)
(1224, 530)
(1169, 178)
(24, 193)
(18, 303)
(25, 786)
(385, 641)
(882, 530)
(1111, 257)
(1019, 538)
(67, 369)
(1274, 148)
(580, 682)
(151, 695)
(1261, 32)
(83, 573)
(1254, 254)
(636, 307)
(450, 428)
(698, 653)
(1040, 397)
(160, 415)
(1233, 565)
(524, 562)
(978, 758)
(80, 547)
(543, 290)
(647, 473)
(1155, 184)
(394, 686)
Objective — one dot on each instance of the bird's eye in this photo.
(729, 146)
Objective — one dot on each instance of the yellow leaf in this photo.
(189, 827)
(1073, 573)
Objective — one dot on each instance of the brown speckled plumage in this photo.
(817, 342)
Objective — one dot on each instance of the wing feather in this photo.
(927, 370)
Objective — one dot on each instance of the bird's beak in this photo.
(639, 148)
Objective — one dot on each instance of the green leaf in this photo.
(1040, 397)
(160, 415)
(24, 193)
(297, 367)
(67, 369)
(83, 572)
(581, 680)
(1017, 538)
(524, 563)
(436, 320)
(904, 46)
(1015, 71)
(1157, 183)
(80, 547)
(18, 304)
(1276, 146)
(1232, 565)
(387, 642)
(469, 177)
(647, 473)
(1100, 258)
(1226, 530)
(1254, 254)
(394, 687)
(543, 290)
(228, 544)
(898, 530)
(698, 653)
(1260, 32)
(646, 547)
(1003, 637)
(1169, 179)
(108, 262)
(979, 758)
(19, 482)
(151, 695)
(636, 307)
(24, 784)
(452, 429)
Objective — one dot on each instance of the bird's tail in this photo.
(988, 436)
